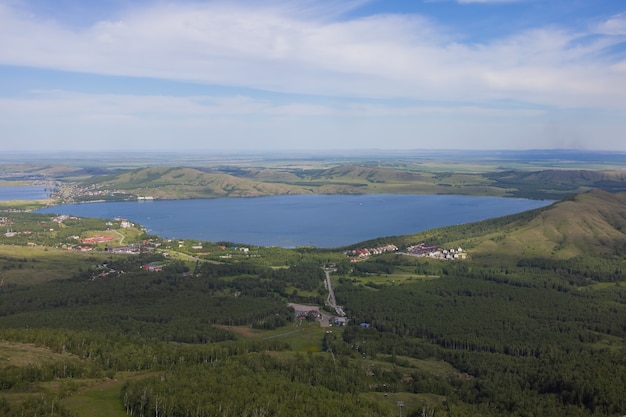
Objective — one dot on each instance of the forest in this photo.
(499, 334)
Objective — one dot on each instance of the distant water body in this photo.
(324, 221)
(30, 193)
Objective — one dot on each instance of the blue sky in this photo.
(268, 75)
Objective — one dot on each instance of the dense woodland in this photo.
(490, 336)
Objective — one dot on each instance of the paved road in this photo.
(331, 294)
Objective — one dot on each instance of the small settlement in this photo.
(420, 249)
(435, 252)
(361, 253)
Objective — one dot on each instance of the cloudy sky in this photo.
(312, 74)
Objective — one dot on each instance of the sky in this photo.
(269, 75)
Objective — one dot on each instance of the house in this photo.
(339, 321)
(153, 267)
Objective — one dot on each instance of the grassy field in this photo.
(85, 397)
(391, 279)
(24, 205)
(28, 265)
(21, 354)
(99, 399)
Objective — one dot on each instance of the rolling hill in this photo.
(180, 182)
(591, 223)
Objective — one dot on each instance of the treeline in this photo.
(530, 338)
(160, 307)
(97, 353)
(164, 305)
(44, 405)
(580, 269)
(254, 385)
(499, 317)
(307, 276)
(92, 354)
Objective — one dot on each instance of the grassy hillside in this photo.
(558, 183)
(592, 223)
(172, 183)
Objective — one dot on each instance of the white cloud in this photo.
(282, 48)
(615, 25)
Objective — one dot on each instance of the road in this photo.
(331, 294)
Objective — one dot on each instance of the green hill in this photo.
(180, 182)
(556, 184)
(591, 223)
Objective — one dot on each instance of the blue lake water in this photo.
(324, 221)
(23, 193)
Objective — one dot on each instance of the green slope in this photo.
(172, 183)
(591, 223)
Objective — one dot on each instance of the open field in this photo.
(24, 205)
(28, 265)
(301, 336)
(390, 279)
(22, 354)
(100, 399)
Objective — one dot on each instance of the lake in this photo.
(324, 221)
(28, 192)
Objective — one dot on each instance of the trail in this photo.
(122, 237)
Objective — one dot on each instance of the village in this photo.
(420, 249)
(362, 253)
(435, 252)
